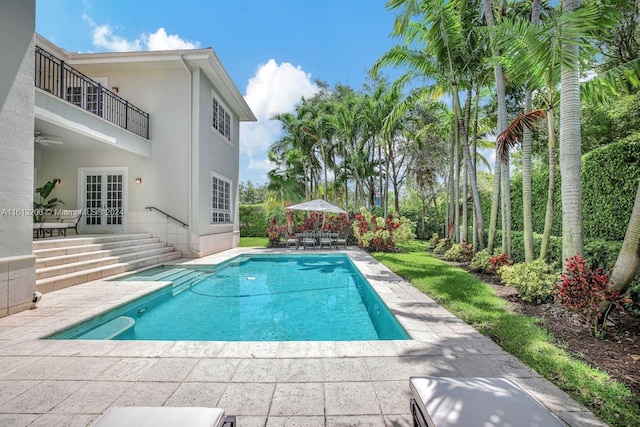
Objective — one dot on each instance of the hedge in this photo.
(253, 221)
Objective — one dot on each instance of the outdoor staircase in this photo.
(64, 262)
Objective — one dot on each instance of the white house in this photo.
(143, 142)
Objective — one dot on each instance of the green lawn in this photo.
(475, 302)
(250, 242)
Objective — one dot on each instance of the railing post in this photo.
(61, 94)
(99, 100)
(126, 115)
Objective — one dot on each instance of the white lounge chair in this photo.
(472, 402)
(137, 416)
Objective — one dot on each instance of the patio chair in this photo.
(339, 240)
(308, 239)
(165, 417)
(325, 240)
(71, 218)
(471, 402)
(291, 240)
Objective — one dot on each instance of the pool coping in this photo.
(441, 343)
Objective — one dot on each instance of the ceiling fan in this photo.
(43, 140)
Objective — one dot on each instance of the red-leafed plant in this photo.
(583, 290)
(497, 261)
(275, 231)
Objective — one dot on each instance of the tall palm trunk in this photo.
(548, 216)
(456, 186)
(527, 141)
(570, 151)
(628, 263)
(502, 125)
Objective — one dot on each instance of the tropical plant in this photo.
(379, 234)
(459, 252)
(536, 280)
(44, 205)
(480, 261)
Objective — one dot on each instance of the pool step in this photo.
(109, 330)
(61, 263)
(184, 282)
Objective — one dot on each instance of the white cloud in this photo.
(275, 88)
(104, 37)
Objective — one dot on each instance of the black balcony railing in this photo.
(65, 82)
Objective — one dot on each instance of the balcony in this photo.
(54, 76)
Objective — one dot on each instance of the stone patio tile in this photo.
(198, 394)
(17, 419)
(297, 399)
(146, 394)
(582, 419)
(393, 396)
(345, 369)
(399, 369)
(170, 369)
(31, 348)
(64, 420)
(512, 367)
(127, 369)
(12, 388)
(13, 367)
(301, 370)
(213, 370)
(82, 348)
(424, 336)
(420, 348)
(351, 398)
(92, 398)
(42, 398)
(140, 348)
(80, 368)
(474, 345)
(295, 422)
(476, 365)
(247, 398)
(249, 420)
(195, 349)
(293, 349)
(365, 348)
(251, 350)
(396, 420)
(356, 421)
(257, 370)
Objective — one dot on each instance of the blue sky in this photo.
(273, 50)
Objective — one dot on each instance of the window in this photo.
(220, 200)
(220, 118)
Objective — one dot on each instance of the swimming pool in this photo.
(251, 298)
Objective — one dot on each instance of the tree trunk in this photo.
(456, 188)
(548, 216)
(628, 263)
(502, 125)
(570, 151)
(527, 140)
(506, 208)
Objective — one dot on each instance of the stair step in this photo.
(78, 249)
(97, 254)
(65, 280)
(82, 240)
(57, 270)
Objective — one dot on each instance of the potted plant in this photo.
(41, 205)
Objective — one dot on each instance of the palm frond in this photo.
(509, 137)
(613, 82)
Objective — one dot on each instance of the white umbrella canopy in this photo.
(317, 205)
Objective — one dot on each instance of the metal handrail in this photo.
(53, 75)
(152, 208)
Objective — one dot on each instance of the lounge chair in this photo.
(471, 402)
(71, 218)
(165, 417)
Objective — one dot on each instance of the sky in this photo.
(273, 50)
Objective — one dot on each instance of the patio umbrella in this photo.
(317, 205)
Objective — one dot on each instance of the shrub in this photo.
(443, 246)
(535, 281)
(497, 261)
(583, 290)
(253, 221)
(459, 252)
(480, 261)
(275, 231)
(433, 241)
(379, 234)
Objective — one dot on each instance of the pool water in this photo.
(251, 298)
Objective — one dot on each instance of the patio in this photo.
(48, 382)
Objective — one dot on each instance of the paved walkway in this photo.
(357, 383)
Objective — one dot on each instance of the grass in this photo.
(475, 302)
(250, 242)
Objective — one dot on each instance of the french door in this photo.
(103, 196)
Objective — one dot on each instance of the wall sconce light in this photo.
(58, 181)
(138, 180)
(115, 89)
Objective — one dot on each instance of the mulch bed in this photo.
(616, 351)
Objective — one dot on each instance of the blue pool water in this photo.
(251, 298)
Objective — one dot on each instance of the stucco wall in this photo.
(17, 274)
